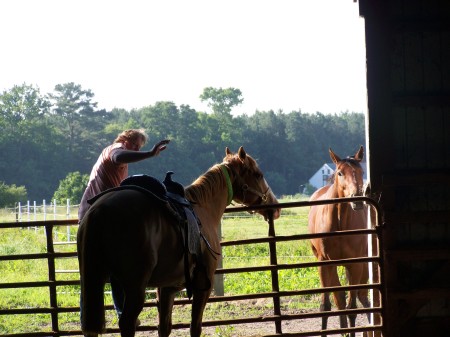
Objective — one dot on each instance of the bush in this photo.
(72, 187)
(9, 194)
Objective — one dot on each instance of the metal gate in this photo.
(277, 317)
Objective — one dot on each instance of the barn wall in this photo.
(408, 81)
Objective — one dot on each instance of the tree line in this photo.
(45, 138)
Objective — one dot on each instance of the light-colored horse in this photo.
(347, 181)
(138, 242)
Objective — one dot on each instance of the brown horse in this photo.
(347, 182)
(138, 242)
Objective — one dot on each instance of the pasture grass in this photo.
(234, 227)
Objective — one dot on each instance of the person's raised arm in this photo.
(120, 156)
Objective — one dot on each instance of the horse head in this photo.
(348, 176)
(249, 186)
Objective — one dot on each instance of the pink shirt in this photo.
(104, 175)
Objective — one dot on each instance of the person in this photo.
(109, 170)
(112, 164)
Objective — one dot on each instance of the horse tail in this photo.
(92, 277)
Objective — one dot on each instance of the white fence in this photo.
(31, 211)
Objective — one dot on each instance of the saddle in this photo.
(170, 194)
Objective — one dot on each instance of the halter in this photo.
(263, 196)
(228, 181)
(245, 188)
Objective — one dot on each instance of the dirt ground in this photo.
(250, 308)
(261, 329)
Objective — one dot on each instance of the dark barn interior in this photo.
(408, 130)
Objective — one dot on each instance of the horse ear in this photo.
(227, 151)
(360, 154)
(334, 157)
(242, 153)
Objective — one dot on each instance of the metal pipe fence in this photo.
(277, 316)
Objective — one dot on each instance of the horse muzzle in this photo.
(357, 205)
(276, 212)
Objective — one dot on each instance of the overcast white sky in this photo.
(282, 54)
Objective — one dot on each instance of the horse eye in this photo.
(340, 174)
(258, 175)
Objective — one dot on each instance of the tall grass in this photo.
(292, 221)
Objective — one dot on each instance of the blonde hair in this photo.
(132, 135)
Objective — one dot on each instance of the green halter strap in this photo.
(228, 181)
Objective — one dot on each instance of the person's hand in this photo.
(160, 146)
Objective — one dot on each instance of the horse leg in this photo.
(325, 305)
(351, 298)
(166, 297)
(363, 293)
(357, 274)
(339, 296)
(364, 298)
(329, 278)
(133, 304)
(200, 297)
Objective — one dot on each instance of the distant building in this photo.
(322, 176)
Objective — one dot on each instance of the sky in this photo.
(287, 55)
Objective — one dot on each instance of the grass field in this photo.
(234, 227)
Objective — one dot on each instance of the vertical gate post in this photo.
(219, 289)
(52, 276)
(381, 298)
(374, 268)
(273, 262)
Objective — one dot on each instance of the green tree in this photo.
(302, 141)
(221, 101)
(221, 123)
(20, 108)
(40, 140)
(76, 117)
(309, 189)
(72, 187)
(28, 143)
(10, 194)
(160, 120)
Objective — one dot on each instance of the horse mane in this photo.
(201, 190)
